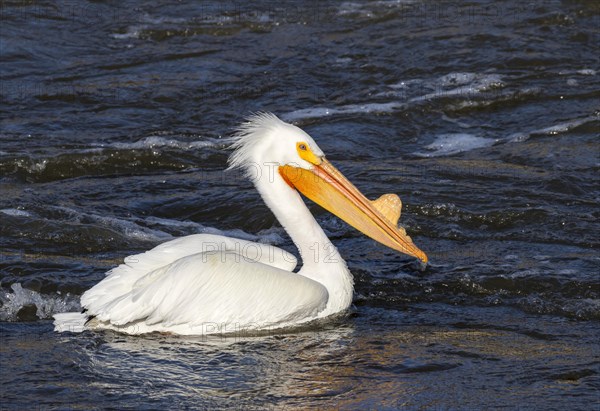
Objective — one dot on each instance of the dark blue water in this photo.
(484, 117)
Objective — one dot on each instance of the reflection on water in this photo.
(378, 359)
(225, 369)
(482, 116)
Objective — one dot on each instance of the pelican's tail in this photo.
(70, 322)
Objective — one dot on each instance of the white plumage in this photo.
(205, 284)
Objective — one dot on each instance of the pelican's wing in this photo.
(213, 289)
(120, 280)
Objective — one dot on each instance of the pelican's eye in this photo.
(306, 153)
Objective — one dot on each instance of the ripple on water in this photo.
(484, 120)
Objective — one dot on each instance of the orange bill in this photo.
(326, 186)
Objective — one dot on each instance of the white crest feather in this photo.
(250, 134)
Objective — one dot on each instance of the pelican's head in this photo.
(266, 141)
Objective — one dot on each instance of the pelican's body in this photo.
(204, 284)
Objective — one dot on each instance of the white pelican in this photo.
(204, 284)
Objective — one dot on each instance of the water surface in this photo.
(483, 117)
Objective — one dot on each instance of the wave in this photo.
(578, 300)
(319, 112)
(374, 9)
(456, 91)
(23, 304)
(536, 289)
(554, 129)
(16, 212)
(145, 155)
(580, 72)
(533, 294)
(448, 144)
(223, 19)
(228, 19)
(411, 92)
(161, 142)
(274, 235)
(469, 85)
(130, 229)
(454, 143)
(60, 223)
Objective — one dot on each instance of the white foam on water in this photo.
(343, 60)
(469, 85)
(16, 212)
(135, 31)
(353, 8)
(160, 142)
(32, 165)
(448, 144)
(316, 112)
(449, 85)
(404, 84)
(455, 84)
(319, 112)
(457, 79)
(132, 32)
(581, 72)
(37, 165)
(173, 223)
(207, 18)
(558, 128)
(47, 305)
(146, 18)
(586, 72)
(370, 9)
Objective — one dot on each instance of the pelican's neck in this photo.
(298, 222)
(320, 258)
